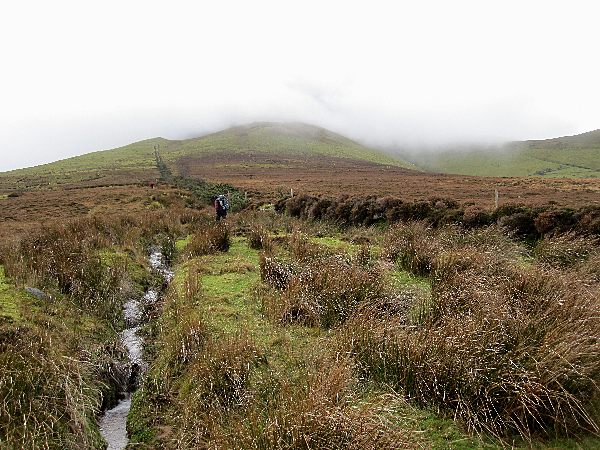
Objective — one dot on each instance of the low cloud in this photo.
(419, 75)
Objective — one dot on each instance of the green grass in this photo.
(280, 139)
(136, 159)
(403, 279)
(180, 244)
(135, 163)
(336, 243)
(566, 157)
(228, 280)
(9, 299)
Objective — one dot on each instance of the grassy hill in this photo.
(259, 144)
(571, 156)
(278, 139)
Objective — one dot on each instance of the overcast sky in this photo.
(79, 76)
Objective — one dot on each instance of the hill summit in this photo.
(289, 146)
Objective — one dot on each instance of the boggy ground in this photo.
(27, 210)
(61, 358)
(281, 333)
(278, 333)
(268, 177)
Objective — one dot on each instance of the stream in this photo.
(113, 421)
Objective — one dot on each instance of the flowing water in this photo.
(113, 422)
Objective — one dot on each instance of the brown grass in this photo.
(564, 250)
(333, 177)
(504, 348)
(316, 294)
(320, 413)
(210, 239)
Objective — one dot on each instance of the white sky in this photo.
(84, 75)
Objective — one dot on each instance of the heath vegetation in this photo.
(350, 322)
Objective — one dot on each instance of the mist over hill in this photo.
(299, 147)
(293, 146)
(569, 157)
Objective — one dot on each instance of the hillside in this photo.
(263, 145)
(570, 157)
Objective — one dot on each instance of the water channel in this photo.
(113, 422)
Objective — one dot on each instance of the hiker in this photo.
(221, 206)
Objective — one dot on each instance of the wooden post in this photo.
(292, 192)
(496, 198)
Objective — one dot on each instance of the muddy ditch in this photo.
(113, 421)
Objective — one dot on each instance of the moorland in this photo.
(375, 306)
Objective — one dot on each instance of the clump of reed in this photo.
(564, 250)
(184, 335)
(319, 412)
(301, 248)
(413, 246)
(259, 238)
(276, 274)
(210, 239)
(505, 351)
(322, 291)
(47, 400)
(58, 258)
(590, 268)
(219, 377)
(213, 388)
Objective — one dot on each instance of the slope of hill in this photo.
(258, 145)
(289, 140)
(133, 163)
(570, 156)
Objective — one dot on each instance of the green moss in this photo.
(181, 244)
(403, 279)
(139, 420)
(10, 298)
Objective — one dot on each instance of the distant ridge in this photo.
(281, 145)
(575, 156)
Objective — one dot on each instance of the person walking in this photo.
(221, 205)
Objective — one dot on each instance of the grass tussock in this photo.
(215, 387)
(259, 238)
(317, 294)
(78, 259)
(184, 334)
(51, 386)
(564, 250)
(413, 246)
(45, 401)
(209, 240)
(277, 274)
(301, 248)
(590, 269)
(320, 413)
(516, 352)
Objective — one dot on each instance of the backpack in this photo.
(223, 202)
